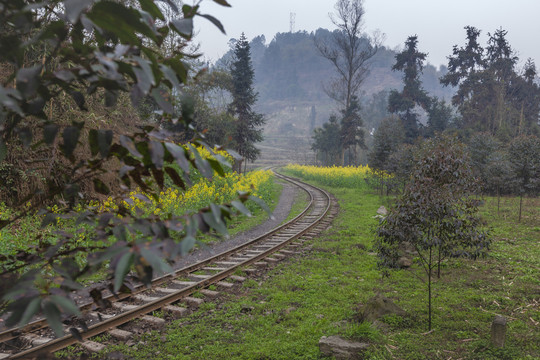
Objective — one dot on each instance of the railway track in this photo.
(171, 293)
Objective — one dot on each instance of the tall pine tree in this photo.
(403, 103)
(247, 126)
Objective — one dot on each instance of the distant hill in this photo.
(290, 73)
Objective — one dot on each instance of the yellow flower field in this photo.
(338, 176)
(218, 190)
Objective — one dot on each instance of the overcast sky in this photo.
(438, 23)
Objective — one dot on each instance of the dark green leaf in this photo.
(122, 268)
(170, 75)
(111, 97)
(128, 144)
(241, 208)
(100, 187)
(65, 304)
(262, 204)
(187, 244)
(179, 155)
(184, 27)
(74, 8)
(93, 142)
(156, 153)
(71, 138)
(79, 99)
(52, 314)
(234, 154)
(218, 226)
(222, 2)
(25, 134)
(28, 80)
(214, 21)
(105, 138)
(64, 75)
(177, 180)
(164, 104)
(49, 133)
(202, 164)
(31, 309)
(216, 166)
(151, 8)
(158, 176)
(155, 261)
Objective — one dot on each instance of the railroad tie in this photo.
(175, 310)
(198, 277)
(225, 285)
(214, 268)
(145, 298)
(120, 334)
(226, 263)
(153, 320)
(123, 306)
(210, 293)
(166, 290)
(237, 278)
(4, 356)
(35, 340)
(92, 346)
(183, 283)
(193, 301)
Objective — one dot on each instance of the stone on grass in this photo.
(404, 262)
(341, 348)
(379, 306)
(498, 331)
(382, 211)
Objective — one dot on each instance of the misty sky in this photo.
(438, 24)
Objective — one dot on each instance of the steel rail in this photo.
(129, 315)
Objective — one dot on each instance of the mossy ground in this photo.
(305, 297)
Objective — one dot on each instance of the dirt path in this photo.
(282, 210)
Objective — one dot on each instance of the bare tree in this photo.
(349, 51)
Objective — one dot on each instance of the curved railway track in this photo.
(175, 288)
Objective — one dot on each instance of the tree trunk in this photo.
(498, 200)
(429, 290)
(520, 203)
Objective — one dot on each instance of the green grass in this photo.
(300, 202)
(318, 294)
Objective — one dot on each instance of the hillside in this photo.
(290, 75)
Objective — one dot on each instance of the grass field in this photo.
(303, 298)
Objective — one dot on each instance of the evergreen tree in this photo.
(403, 103)
(247, 129)
(327, 142)
(492, 97)
(439, 116)
(352, 134)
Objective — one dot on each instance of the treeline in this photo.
(290, 67)
(495, 111)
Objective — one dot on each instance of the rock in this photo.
(404, 262)
(498, 331)
(379, 306)
(341, 348)
(290, 310)
(382, 211)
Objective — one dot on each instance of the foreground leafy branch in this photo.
(89, 48)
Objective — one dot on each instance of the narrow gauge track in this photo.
(177, 286)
